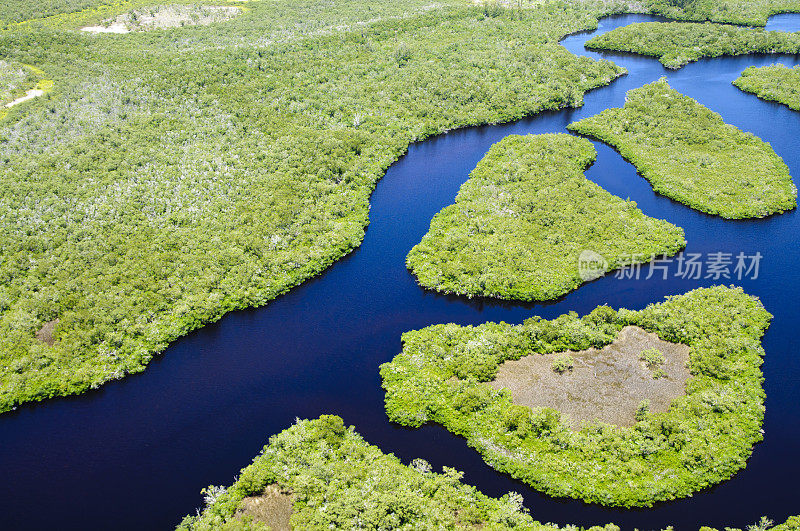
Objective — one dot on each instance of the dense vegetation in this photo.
(773, 83)
(175, 175)
(520, 223)
(704, 438)
(690, 154)
(745, 12)
(340, 482)
(676, 44)
(792, 524)
(14, 11)
(15, 80)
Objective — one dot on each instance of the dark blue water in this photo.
(135, 454)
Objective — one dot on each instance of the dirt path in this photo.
(32, 93)
(113, 28)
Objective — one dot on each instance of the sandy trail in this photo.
(32, 93)
(113, 28)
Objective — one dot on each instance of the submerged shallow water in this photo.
(135, 454)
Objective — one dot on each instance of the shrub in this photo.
(563, 363)
(652, 358)
(642, 411)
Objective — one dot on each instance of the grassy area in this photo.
(688, 153)
(676, 44)
(174, 175)
(521, 222)
(773, 83)
(704, 438)
(338, 481)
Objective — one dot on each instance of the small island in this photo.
(318, 474)
(773, 83)
(688, 418)
(522, 222)
(313, 476)
(689, 154)
(677, 44)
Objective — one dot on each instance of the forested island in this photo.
(313, 476)
(773, 83)
(704, 437)
(324, 473)
(521, 222)
(689, 154)
(676, 44)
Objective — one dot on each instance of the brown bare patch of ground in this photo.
(272, 507)
(45, 333)
(166, 16)
(606, 385)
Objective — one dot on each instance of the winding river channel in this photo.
(135, 453)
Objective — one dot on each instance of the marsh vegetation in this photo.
(165, 16)
(598, 385)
